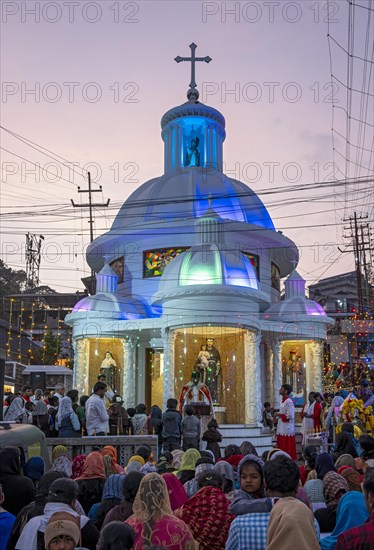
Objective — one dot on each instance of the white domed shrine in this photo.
(193, 255)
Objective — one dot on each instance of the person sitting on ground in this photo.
(18, 489)
(188, 465)
(145, 452)
(226, 472)
(251, 477)
(35, 508)
(123, 510)
(250, 530)
(91, 482)
(108, 450)
(202, 465)
(314, 487)
(367, 447)
(153, 520)
(61, 461)
(177, 492)
(112, 495)
(309, 453)
(361, 537)
(190, 429)
(352, 477)
(247, 448)
(209, 529)
(116, 536)
(61, 532)
(351, 512)
(213, 437)
(334, 487)
(346, 443)
(6, 521)
(34, 469)
(62, 495)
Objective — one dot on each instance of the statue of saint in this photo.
(193, 153)
(108, 369)
(209, 365)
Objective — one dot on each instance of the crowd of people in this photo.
(185, 497)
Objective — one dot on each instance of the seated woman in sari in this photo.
(153, 520)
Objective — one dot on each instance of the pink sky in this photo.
(138, 53)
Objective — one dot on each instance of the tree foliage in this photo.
(12, 281)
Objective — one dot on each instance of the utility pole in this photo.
(359, 249)
(90, 205)
(33, 259)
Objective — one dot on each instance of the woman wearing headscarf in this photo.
(309, 455)
(67, 422)
(367, 447)
(177, 493)
(108, 450)
(153, 520)
(226, 472)
(352, 478)
(91, 482)
(291, 525)
(35, 508)
(140, 420)
(112, 495)
(209, 529)
(16, 411)
(202, 465)
(177, 455)
(345, 460)
(135, 464)
(18, 489)
(334, 487)
(77, 466)
(40, 416)
(62, 461)
(324, 464)
(34, 469)
(246, 448)
(188, 465)
(351, 512)
(123, 510)
(346, 443)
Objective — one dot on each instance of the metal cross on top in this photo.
(193, 60)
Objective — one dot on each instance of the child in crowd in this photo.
(29, 407)
(190, 429)
(213, 437)
(172, 426)
(268, 416)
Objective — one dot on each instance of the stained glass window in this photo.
(155, 261)
(255, 262)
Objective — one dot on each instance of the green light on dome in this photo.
(195, 271)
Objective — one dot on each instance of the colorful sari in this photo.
(177, 493)
(77, 466)
(153, 520)
(207, 515)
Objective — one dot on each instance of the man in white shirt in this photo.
(59, 391)
(97, 418)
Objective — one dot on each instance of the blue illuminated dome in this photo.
(193, 136)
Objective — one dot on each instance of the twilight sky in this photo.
(103, 74)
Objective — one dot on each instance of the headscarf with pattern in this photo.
(58, 451)
(209, 529)
(190, 457)
(345, 460)
(153, 519)
(108, 450)
(333, 483)
(78, 463)
(353, 479)
(63, 464)
(177, 458)
(113, 487)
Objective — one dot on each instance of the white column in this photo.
(252, 378)
(80, 376)
(316, 352)
(168, 337)
(129, 366)
(267, 360)
(276, 353)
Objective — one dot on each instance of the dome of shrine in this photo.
(185, 193)
(295, 303)
(107, 303)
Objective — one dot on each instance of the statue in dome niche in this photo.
(209, 366)
(109, 369)
(193, 153)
